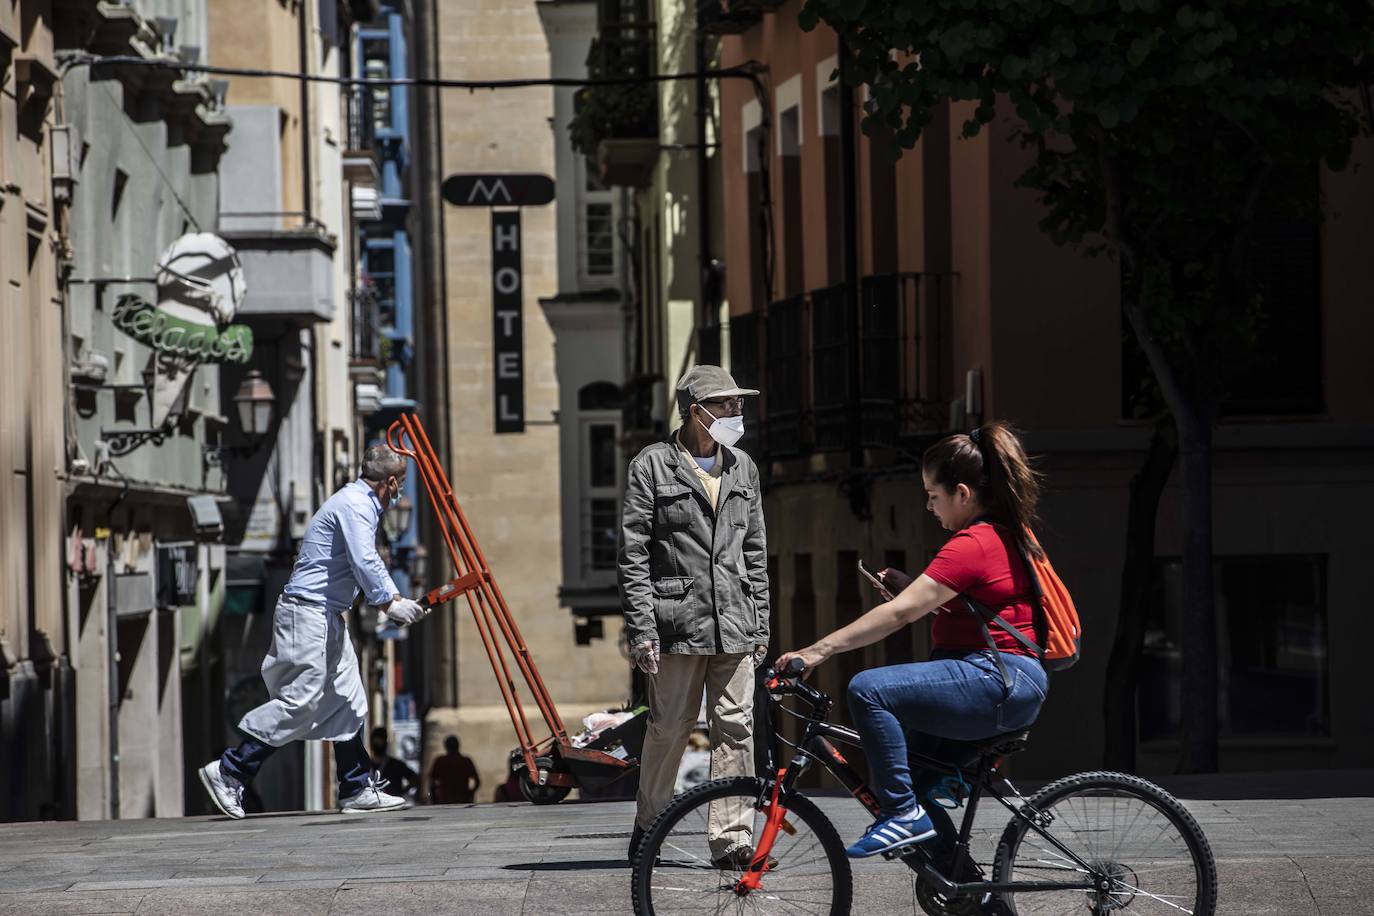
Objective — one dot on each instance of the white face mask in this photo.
(725, 430)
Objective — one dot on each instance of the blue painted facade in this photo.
(381, 51)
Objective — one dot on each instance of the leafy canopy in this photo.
(1186, 102)
(1157, 129)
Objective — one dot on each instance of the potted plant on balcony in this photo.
(616, 126)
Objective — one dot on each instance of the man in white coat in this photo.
(311, 669)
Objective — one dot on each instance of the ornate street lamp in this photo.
(419, 567)
(254, 405)
(396, 520)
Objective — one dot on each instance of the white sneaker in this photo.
(371, 799)
(225, 791)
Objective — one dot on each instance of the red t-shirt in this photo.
(982, 561)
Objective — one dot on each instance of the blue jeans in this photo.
(351, 762)
(938, 708)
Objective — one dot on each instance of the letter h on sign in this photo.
(508, 339)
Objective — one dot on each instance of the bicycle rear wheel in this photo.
(679, 869)
(1151, 853)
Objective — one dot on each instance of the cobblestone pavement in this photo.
(1288, 857)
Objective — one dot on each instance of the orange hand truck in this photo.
(553, 766)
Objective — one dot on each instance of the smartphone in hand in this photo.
(877, 583)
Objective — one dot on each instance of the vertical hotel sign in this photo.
(508, 337)
(507, 243)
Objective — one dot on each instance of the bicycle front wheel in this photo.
(685, 863)
(1148, 852)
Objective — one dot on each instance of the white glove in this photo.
(645, 656)
(406, 611)
(759, 653)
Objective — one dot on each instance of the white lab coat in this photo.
(311, 672)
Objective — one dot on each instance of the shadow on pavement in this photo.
(572, 865)
(1290, 784)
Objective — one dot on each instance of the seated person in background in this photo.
(392, 771)
(453, 778)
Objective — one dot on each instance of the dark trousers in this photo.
(351, 762)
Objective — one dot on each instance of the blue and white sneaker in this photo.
(892, 833)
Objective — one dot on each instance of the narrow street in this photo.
(1286, 857)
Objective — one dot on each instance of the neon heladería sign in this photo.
(166, 333)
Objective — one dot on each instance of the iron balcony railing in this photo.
(838, 374)
(833, 359)
(746, 358)
(728, 17)
(362, 125)
(786, 355)
(905, 353)
(367, 326)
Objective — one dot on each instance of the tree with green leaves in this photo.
(1158, 131)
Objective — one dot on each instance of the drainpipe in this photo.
(443, 679)
(710, 303)
(112, 647)
(307, 172)
(112, 666)
(849, 228)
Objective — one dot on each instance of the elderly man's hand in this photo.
(405, 611)
(645, 656)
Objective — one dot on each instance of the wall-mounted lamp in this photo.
(396, 520)
(253, 401)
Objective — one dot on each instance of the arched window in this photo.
(598, 396)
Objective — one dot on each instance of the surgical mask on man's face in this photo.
(725, 430)
(397, 498)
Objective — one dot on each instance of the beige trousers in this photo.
(674, 700)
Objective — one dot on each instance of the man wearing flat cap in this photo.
(693, 577)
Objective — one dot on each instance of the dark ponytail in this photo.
(992, 463)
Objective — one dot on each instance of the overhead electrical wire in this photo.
(750, 70)
(747, 71)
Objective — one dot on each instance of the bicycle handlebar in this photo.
(789, 681)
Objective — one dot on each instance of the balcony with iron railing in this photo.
(833, 362)
(730, 17)
(361, 124)
(745, 361)
(365, 355)
(786, 367)
(616, 126)
(839, 375)
(906, 351)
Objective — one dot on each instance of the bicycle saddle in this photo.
(1004, 744)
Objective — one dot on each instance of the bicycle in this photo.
(1118, 844)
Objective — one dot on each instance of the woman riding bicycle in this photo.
(981, 487)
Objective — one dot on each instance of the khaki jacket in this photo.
(695, 580)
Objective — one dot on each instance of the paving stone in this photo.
(1286, 857)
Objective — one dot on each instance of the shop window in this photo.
(1273, 671)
